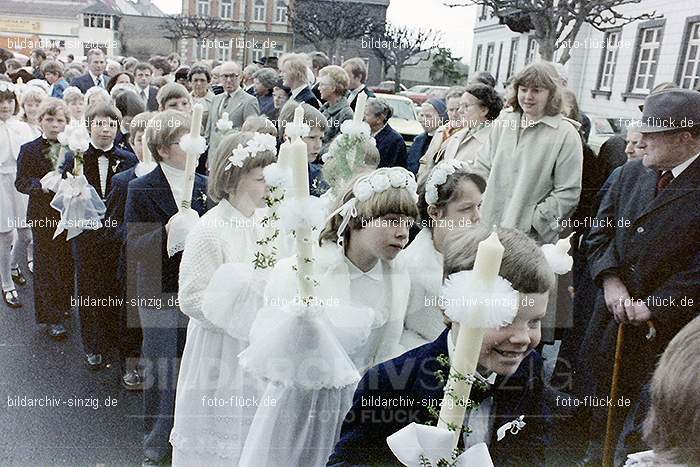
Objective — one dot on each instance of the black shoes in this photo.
(17, 276)
(131, 381)
(11, 299)
(94, 361)
(57, 331)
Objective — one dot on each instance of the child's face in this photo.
(138, 145)
(76, 108)
(178, 103)
(313, 143)
(252, 188)
(103, 130)
(7, 108)
(458, 213)
(384, 237)
(31, 109)
(52, 125)
(505, 348)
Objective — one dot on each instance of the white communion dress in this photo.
(424, 321)
(220, 292)
(13, 204)
(312, 358)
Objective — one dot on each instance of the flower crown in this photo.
(5, 86)
(376, 182)
(438, 177)
(260, 142)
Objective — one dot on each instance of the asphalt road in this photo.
(85, 419)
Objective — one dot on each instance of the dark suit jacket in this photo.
(149, 207)
(152, 104)
(651, 243)
(391, 147)
(354, 101)
(32, 165)
(411, 377)
(119, 160)
(85, 82)
(116, 204)
(418, 148)
(308, 97)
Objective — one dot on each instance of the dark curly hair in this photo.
(488, 97)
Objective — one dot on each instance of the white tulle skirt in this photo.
(13, 204)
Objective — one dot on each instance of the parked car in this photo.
(386, 87)
(405, 119)
(603, 128)
(422, 92)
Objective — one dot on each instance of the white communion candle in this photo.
(192, 159)
(360, 107)
(466, 356)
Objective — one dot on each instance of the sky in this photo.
(456, 24)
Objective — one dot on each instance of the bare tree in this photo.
(556, 23)
(401, 46)
(326, 23)
(195, 27)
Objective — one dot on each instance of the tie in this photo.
(224, 103)
(663, 181)
(143, 95)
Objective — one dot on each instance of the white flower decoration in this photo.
(363, 190)
(397, 179)
(4, 87)
(238, 157)
(277, 176)
(262, 142)
(352, 128)
(380, 182)
(224, 124)
(293, 130)
(438, 176)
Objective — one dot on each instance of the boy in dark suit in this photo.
(508, 362)
(151, 203)
(53, 263)
(92, 249)
(95, 76)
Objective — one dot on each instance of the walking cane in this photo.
(609, 446)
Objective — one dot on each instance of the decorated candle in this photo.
(299, 191)
(224, 116)
(284, 157)
(193, 158)
(466, 356)
(360, 107)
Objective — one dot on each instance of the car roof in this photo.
(395, 97)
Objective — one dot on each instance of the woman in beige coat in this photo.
(532, 160)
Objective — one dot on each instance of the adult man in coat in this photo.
(96, 72)
(644, 247)
(234, 100)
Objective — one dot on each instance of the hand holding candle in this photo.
(192, 156)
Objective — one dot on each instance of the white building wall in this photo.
(583, 68)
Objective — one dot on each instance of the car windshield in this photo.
(402, 109)
(603, 126)
(418, 88)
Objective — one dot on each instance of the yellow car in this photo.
(405, 119)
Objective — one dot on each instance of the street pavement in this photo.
(87, 418)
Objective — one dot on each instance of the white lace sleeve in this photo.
(202, 257)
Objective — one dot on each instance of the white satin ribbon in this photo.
(414, 444)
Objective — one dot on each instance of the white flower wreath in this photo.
(259, 143)
(376, 182)
(438, 177)
(4, 87)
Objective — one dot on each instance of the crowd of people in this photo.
(185, 330)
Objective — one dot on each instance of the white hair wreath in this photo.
(438, 176)
(260, 142)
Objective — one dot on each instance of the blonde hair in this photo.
(165, 128)
(297, 65)
(338, 78)
(97, 90)
(672, 426)
(390, 201)
(32, 93)
(523, 265)
(540, 75)
(52, 106)
(73, 93)
(259, 124)
(222, 181)
(171, 91)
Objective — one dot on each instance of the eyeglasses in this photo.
(230, 76)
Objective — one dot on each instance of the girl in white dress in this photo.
(211, 413)
(363, 295)
(30, 101)
(13, 204)
(449, 199)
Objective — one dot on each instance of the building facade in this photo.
(258, 28)
(611, 72)
(74, 26)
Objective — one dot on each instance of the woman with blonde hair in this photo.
(333, 85)
(30, 101)
(533, 159)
